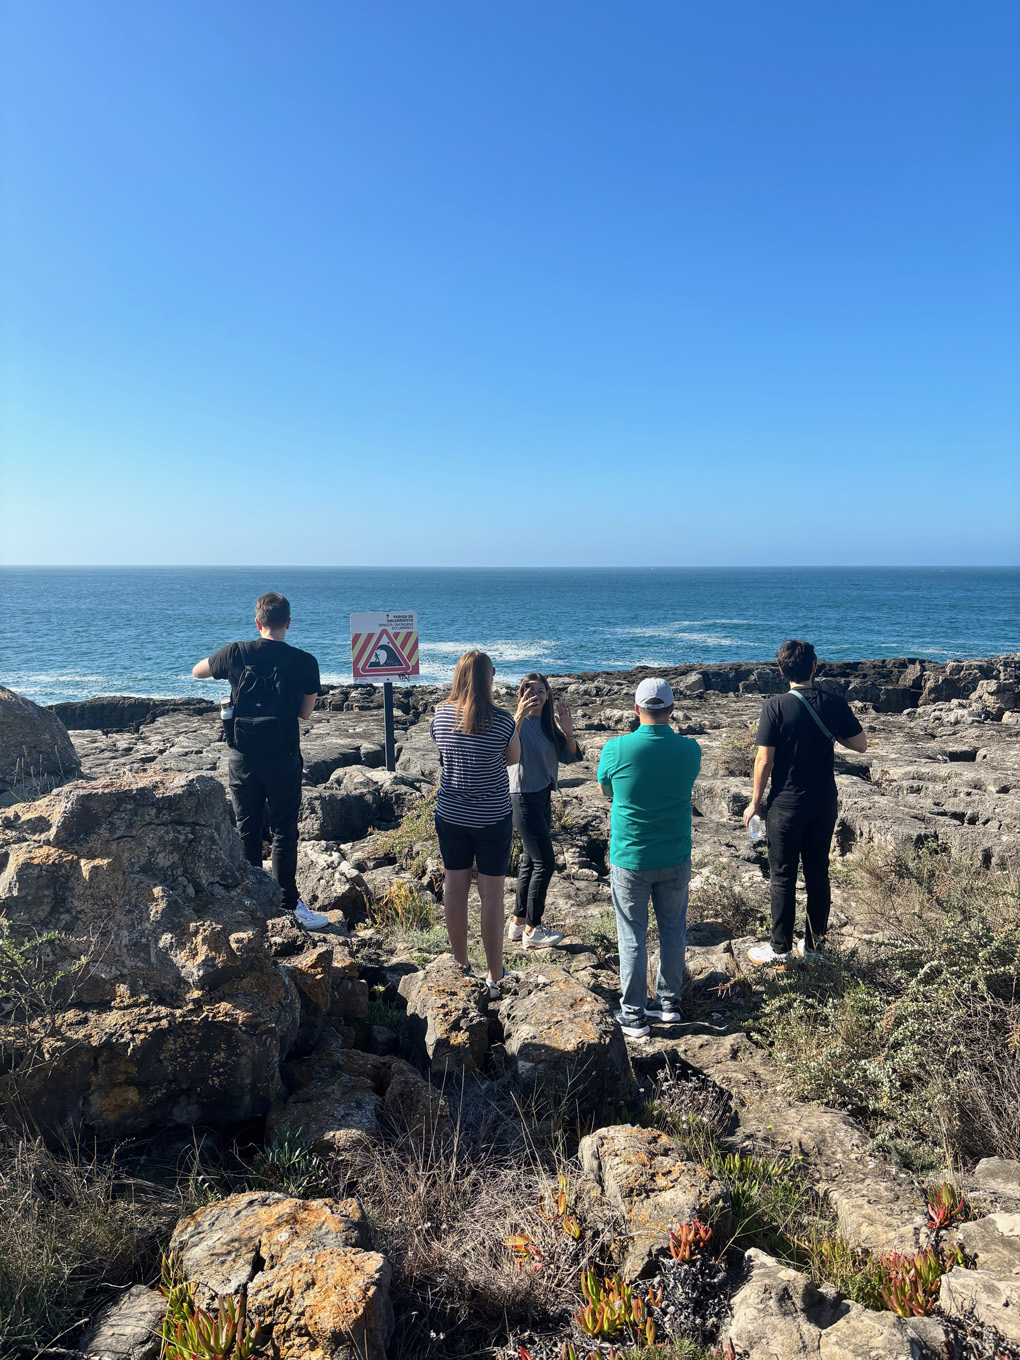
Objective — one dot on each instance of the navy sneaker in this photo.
(664, 1012)
(634, 1029)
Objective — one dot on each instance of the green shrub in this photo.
(739, 909)
(416, 835)
(737, 751)
(405, 907)
(918, 1035)
(289, 1166)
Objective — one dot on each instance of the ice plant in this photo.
(945, 1207)
(910, 1284)
(558, 1210)
(612, 1306)
(192, 1333)
(690, 1239)
(524, 1251)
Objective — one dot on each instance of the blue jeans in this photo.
(669, 890)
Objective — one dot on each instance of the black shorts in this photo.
(486, 846)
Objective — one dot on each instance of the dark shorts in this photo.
(486, 846)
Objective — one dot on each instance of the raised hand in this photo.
(564, 718)
(528, 706)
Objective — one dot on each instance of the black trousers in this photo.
(533, 823)
(800, 833)
(258, 786)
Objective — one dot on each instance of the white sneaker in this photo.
(802, 951)
(540, 938)
(492, 987)
(634, 1029)
(668, 1015)
(764, 953)
(311, 920)
(514, 932)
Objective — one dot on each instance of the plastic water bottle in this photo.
(754, 828)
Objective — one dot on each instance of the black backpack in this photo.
(265, 714)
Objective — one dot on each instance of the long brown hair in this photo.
(471, 692)
(550, 726)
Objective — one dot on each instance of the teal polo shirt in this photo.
(650, 774)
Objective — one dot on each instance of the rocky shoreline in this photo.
(180, 997)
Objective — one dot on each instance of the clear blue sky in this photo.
(502, 281)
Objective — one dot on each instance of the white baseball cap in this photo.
(653, 693)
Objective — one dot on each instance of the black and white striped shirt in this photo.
(474, 789)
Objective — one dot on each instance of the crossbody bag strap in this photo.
(810, 709)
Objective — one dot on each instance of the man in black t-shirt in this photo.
(796, 732)
(273, 686)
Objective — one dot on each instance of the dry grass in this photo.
(918, 1033)
(404, 907)
(739, 909)
(736, 752)
(442, 1210)
(71, 1226)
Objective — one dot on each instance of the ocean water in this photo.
(72, 633)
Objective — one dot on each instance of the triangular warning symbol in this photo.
(386, 656)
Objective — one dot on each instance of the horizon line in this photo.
(583, 566)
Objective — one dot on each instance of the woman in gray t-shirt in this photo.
(546, 731)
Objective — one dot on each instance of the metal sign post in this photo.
(391, 736)
(383, 646)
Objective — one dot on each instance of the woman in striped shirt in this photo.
(477, 741)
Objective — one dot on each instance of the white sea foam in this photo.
(681, 632)
(503, 649)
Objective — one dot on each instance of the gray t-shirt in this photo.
(539, 766)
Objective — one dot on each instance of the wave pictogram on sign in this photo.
(383, 653)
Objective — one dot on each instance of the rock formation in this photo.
(177, 1013)
(188, 997)
(36, 754)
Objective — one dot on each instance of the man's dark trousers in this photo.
(800, 832)
(259, 784)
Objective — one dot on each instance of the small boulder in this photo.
(990, 1298)
(777, 1311)
(562, 1039)
(328, 882)
(312, 975)
(999, 1173)
(341, 1095)
(445, 1017)
(128, 1328)
(307, 1272)
(644, 1176)
(36, 754)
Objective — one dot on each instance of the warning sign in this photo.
(384, 645)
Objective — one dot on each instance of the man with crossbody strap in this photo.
(273, 686)
(796, 733)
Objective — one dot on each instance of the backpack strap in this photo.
(810, 709)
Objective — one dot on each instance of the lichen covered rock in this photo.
(645, 1178)
(445, 1017)
(311, 1282)
(179, 1014)
(563, 1041)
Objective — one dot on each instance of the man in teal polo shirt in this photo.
(649, 775)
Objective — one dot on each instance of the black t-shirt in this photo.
(803, 764)
(299, 669)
